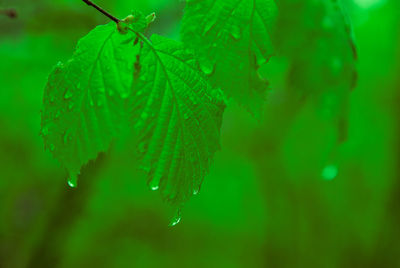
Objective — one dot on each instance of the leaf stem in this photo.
(111, 17)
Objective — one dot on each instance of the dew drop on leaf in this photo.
(73, 182)
(236, 33)
(207, 67)
(68, 94)
(45, 131)
(144, 115)
(124, 95)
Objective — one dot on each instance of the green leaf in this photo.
(232, 39)
(83, 99)
(317, 39)
(115, 85)
(178, 117)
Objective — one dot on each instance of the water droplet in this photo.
(327, 23)
(155, 183)
(68, 94)
(73, 181)
(261, 60)
(236, 32)
(144, 115)
(45, 131)
(154, 188)
(91, 101)
(196, 191)
(336, 65)
(176, 219)
(124, 95)
(329, 172)
(207, 67)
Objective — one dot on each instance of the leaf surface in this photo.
(177, 115)
(232, 39)
(83, 99)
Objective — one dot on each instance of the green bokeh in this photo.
(279, 194)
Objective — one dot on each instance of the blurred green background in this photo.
(281, 193)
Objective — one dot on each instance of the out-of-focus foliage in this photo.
(271, 198)
(232, 37)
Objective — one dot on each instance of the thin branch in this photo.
(111, 17)
(11, 13)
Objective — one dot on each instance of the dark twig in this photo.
(10, 12)
(111, 17)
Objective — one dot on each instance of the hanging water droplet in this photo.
(73, 181)
(154, 188)
(176, 219)
(195, 191)
(155, 183)
(207, 67)
(68, 94)
(329, 172)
